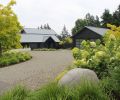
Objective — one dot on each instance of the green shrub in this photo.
(4, 62)
(9, 58)
(112, 83)
(76, 53)
(99, 58)
(13, 60)
(20, 56)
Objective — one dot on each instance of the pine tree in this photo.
(41, 27)
(116, 17)
(106, 18)
(45, 26)
(48, 27)
(65, 32)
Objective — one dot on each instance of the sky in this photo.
(57, 13)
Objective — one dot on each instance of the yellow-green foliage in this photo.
(61, 75)
(10, 58)
(113, 33)
(99, 57)
(9, 28)
(66, 40)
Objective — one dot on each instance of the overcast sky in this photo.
(33, 13)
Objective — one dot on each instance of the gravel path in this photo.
(42, 68)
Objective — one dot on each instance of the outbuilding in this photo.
(39, 38)
(88, 33)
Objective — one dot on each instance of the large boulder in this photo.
(78, 75)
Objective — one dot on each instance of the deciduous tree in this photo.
(9, 28)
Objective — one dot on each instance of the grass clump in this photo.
(9, 58)
(84, 91)
(18, 93)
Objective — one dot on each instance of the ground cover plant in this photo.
(9, 58)
(85, 91)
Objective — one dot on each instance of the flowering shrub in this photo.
(100, 57)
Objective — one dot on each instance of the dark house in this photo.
(88, 33)
(39, 38)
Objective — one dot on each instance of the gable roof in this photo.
(100, 31)
(32, 35)
(29, 38)
(39, 31)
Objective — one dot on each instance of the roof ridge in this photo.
(39, 29)
(95, 27)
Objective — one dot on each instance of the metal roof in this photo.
(39, 31)
(29, 38)
(100, 31)
(30, 35)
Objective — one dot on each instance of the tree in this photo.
(106, 18)
(92, 21)
(97, 22)
(89, 20)
(48, 27)
(9, 28)
(79, 24)
(116, 17)
(41, 27)
(65, 33)
(66, 40)
(45, 26)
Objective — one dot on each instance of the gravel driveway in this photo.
(41, 69)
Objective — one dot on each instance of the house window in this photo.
(78, 42)
(92, 40)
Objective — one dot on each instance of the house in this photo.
(88, 33)
(39, 38)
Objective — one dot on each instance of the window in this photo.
(78, 42)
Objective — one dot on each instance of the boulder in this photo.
(77, 75)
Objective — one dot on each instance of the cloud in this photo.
(33, 13)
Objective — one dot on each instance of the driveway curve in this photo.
(42, 68)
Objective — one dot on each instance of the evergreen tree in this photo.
(97, 22)
(45, 26)
(79, 24)
(116, 17)
(48, 27)
(64, 33)
(106, 18)
(41, 27)
(89, 20)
